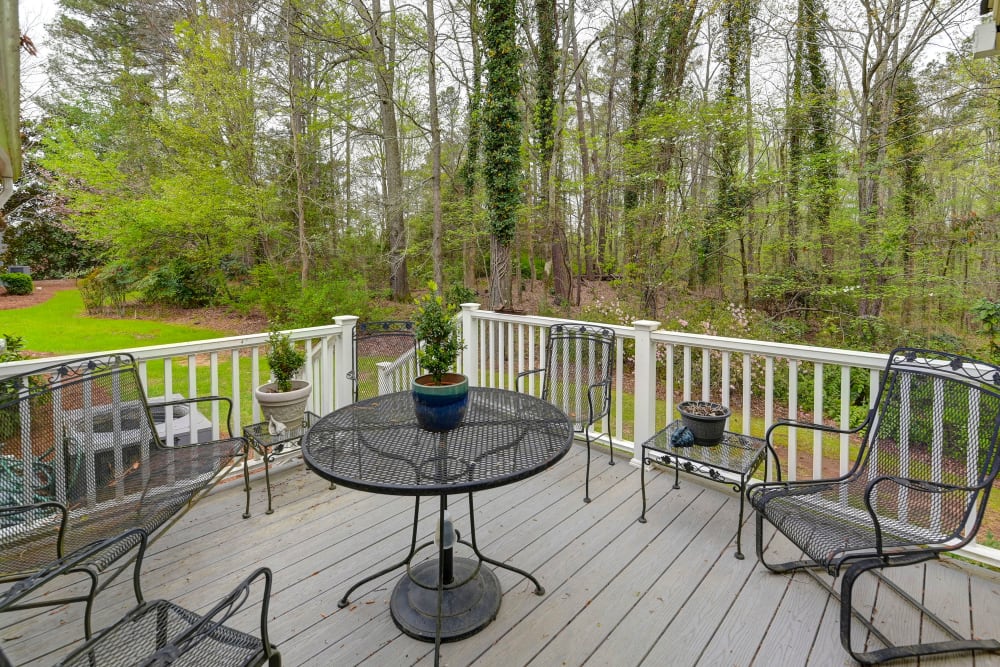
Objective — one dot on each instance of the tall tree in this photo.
(501, 142)
(382, 51)
(438, 225)
(546, 65)
(734, 198)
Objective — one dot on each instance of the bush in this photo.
(108, 285)
(459, 294)
(17, 283)
(180, 283)
(52, 249)
(277, 293)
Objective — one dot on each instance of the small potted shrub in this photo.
(284, 398)
(705, 420)
(441, 396)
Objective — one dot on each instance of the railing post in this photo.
(470, 334)
(645, 386)
(344, 356)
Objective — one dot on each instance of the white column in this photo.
(344, 356)
(645, 386)
(470, 334)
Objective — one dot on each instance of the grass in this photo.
(60, 326)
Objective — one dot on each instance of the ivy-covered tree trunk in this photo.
(501, 142)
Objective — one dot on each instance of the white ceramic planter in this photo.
(286, 407)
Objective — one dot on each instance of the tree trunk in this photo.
(382, 53)
(436, 242)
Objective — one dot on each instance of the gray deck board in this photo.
(617, 592)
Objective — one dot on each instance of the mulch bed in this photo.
(44, 289)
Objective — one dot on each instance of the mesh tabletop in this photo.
(376, 445)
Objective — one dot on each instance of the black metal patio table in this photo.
(377, 446)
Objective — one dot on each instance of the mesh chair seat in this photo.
(159, 632)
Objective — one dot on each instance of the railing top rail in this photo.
(870, 360)
(172, 349)
(545, 322)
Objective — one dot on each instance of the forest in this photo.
(817, 171)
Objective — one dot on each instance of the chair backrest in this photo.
(385, 358)
(935, 420)
(579, 359)
(82, 434)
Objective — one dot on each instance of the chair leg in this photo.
(586, 482)
(892, 652)
(88, 630)
(779, 568)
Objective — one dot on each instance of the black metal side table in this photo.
(737, 454)
(269, 445)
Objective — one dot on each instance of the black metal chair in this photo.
(81, 442)
(385, 358)
(158, 632)
(918, 487)
(579, 363)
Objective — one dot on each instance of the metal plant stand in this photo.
(738, 455)
(269, 445)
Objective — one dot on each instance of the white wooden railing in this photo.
(655, 369)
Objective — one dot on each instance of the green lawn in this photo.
(60, 326)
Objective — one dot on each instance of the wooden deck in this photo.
(618, 592)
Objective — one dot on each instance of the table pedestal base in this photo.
(465, 609)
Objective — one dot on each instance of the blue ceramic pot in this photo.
(440, 407)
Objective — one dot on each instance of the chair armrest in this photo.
(599, 411)
(788, 423)
(918, 485)
(66, 564)
(517, 380)
(206, 399)
(9, 518)
(216, 617)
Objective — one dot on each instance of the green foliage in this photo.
(526, 267)
(436, 327)
(277, 292)
(11, 417)
(180, 283)
(459, 293)
(17, 283)
(106, 286)
(988, 314)
(53, 250)
(284, 359)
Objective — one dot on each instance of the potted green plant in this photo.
(440, 396)
(284, 398)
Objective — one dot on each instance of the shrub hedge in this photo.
(17, 283)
